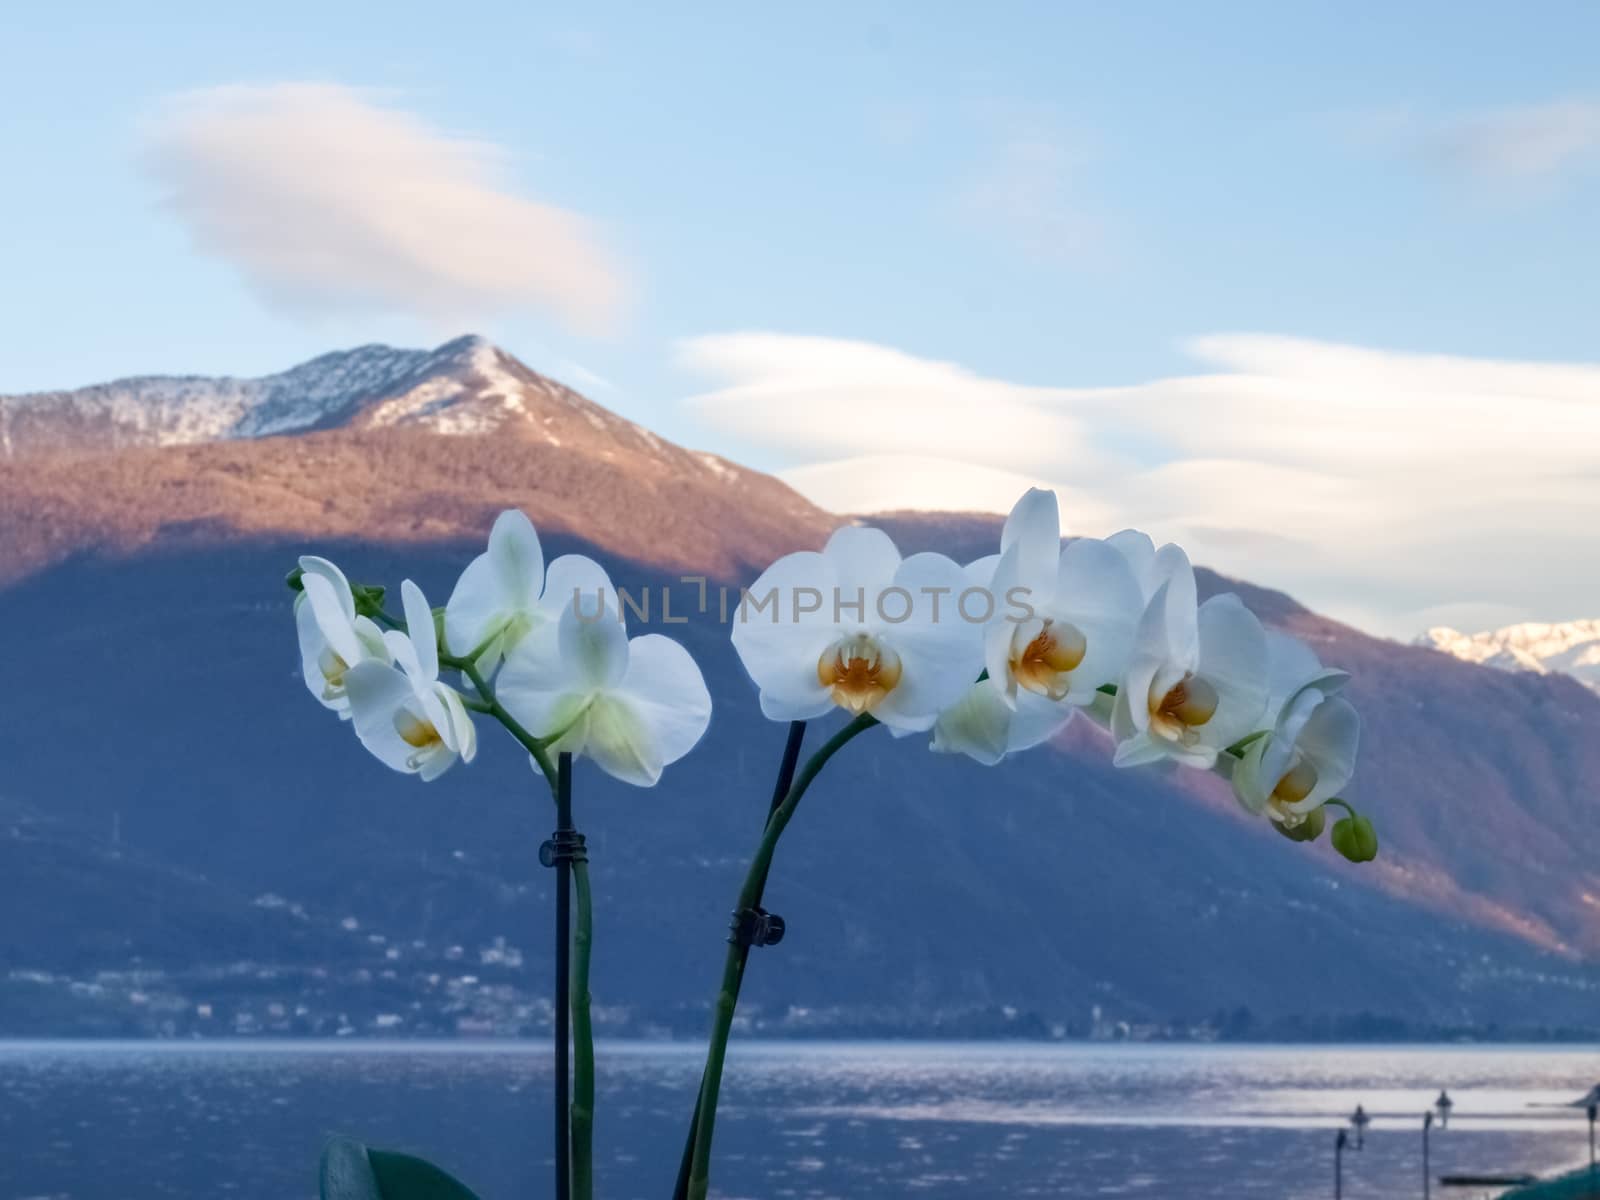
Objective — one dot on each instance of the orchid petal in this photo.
(377, 693)
(1097, 592)
(977, 725)
(863, 556)
(779, 643)
(593, 649)
(1233, 659)
(941, 652)
(665, 693)
(1331, 739)
(1033, 529)
(421, 630)
(310, 564)
(332, 621)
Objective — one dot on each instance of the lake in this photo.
(142, 1121)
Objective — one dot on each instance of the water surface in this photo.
(150, 1121)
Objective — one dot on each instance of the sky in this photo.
(1310, 288)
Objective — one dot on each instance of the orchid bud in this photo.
(368, 598)
(294, 578)
(1308, 830)
(1355, 838)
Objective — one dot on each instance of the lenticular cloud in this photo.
(325, 199)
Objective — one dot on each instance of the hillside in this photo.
(181, 762)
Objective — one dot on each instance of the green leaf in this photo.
(351, 1171)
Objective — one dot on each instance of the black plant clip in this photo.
(564, 846)
(755, 927)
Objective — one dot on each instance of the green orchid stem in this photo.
(538, 747)
(582, 1039)
(733, 962)
(780, 788)
(1342, 805)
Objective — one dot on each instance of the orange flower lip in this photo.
(858, 672)
(1188, 704)
(1043, 665)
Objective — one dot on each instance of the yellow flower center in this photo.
(333, 672)
(858, 672)
(418, 733)
(1296, 783)
(1188, 704)
(1043, 665)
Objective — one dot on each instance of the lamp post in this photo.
(1338, 1164)
(1594, 1111)
(1442, 1106)
(1359, 1121)
(1427, 1177)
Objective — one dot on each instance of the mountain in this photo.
(423, 445)
(464, 387)
(191, 845)
(1568, 648)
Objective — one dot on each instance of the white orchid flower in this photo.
(1064, 627)
(633, 706)
(332, 637)
(507, 592)
(1309, 754)
(1197, 679)
(1151, 566)
(860, 628)
(405, 716)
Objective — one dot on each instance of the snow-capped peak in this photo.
(1568, 647)
(465, 386)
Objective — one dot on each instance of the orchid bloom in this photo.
(1070, 632)
(507, 592)
(1197, 679)
(332, 637)
(633, 706)
(1151, 566)
(405, 716)
(1309, 753)
(858, 627)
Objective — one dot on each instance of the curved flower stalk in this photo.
(634, 706)
(507, 593)
(404, 715)
(1196, 681)
(1308, 754)
(1113, 627)
(858, 627)
(1069, 633)
(580, 686)
(333, 637)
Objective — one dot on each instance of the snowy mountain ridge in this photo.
(1568, 648)
(466, 386)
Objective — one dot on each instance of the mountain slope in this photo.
(177, 461)
(150, 623)
(1568, 648)
(465, 386)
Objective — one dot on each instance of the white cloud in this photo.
(327, 200)
(1381, 487)
(885, 482)
(1511, 147)
(1533, 142)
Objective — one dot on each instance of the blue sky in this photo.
(1052, 198)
